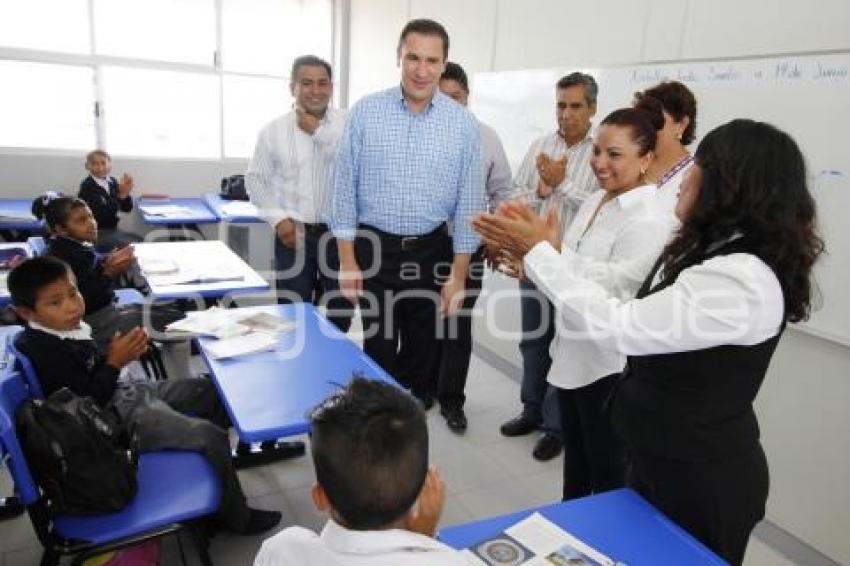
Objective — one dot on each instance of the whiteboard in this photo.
(807, 96)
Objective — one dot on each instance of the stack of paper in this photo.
(166, 210)
(238, 333)
(239, 208)
(535, 541)
(242, 345)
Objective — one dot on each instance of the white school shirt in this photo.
(732, 299)
(291, 172)
(616, 250)
(578, 184)
(337, 545)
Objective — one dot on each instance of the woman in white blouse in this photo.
(614, 240)
(701, 332)
(672, 159)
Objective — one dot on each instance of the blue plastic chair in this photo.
(37, 244)
(175, 488)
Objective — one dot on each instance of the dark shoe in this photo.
(426, 399)
(455, 418)
(547, 448)
(518, 426)
(260, 521)
(247, 456)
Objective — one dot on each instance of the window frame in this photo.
(96, 62)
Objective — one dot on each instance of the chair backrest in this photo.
(37, 244)
(13, 392)
(27, 369)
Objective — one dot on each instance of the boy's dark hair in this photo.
(591, 89)
(425, 27)
(98, 153)
(309, 61)
(32, 275)
(370, 451)
(54, 208)
(455, 72)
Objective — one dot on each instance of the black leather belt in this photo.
(318, 228)
(408, 243)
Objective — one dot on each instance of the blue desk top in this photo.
(15, 214)
(216, 204)
(220, 271)
(200, 213)
(268, 394)
(619, 524)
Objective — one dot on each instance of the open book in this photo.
(535, 541)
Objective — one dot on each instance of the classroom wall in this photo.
(803, 404)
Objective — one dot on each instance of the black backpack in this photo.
(233, 188)
(77, 454)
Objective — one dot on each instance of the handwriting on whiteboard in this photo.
(828, 69)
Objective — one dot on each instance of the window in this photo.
(265, 36)
(49, 25)
(249, 104)
(172, 78)
(46, 106)
(161, 113)
(164, 30)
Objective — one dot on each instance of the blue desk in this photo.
(15, 214)
(217, 205)
(226, 272)
(619, 524)
(197, 212)
(268, 394)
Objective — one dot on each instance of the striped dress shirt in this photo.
(407, 173)
(291, 172)
(578, 184)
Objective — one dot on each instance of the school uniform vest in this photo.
(692, 406)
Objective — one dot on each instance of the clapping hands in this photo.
(552, 173)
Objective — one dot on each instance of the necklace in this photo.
(684, 162)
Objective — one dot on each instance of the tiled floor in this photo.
(486, 474)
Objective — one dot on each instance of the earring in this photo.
(679, 136)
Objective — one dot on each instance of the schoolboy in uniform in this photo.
(58, 343)
(370, 451)
(105, 196)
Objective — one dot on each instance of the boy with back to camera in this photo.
(59, 344)
(370, 452)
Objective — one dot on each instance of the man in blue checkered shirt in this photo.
(409, 163)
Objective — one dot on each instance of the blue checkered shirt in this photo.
(407, 173)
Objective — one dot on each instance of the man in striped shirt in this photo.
(289, 179)
(555, 172)
(409, 162)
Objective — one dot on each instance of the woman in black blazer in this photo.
(703, 328)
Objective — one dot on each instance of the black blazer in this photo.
(97, 288)
(75, 364)
(104, 207)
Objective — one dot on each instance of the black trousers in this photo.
(401, 302)
(456, 341)
(719, 502)
(593, 454)
(309, 272)
(158, 413)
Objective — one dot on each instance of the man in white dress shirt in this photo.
(555, 172)
(289, 179)
(456, 346)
